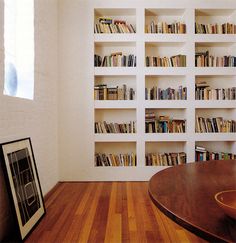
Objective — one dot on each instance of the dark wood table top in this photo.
(185, 193)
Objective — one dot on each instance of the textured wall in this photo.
(38, 118)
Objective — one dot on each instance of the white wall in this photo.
(37, 119)
(75, 90)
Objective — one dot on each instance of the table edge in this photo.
(185, 224)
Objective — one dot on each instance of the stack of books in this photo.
(202, 154)
(225, 28)
(173, 61)
(204, 92)
(115, 60)
(102, 159)
(163, 124)
(214, 125)
(108, 25)
(165, 159)
(105, 127)
(166, 94)
(203, 59)
(103, 92)
(164, 28)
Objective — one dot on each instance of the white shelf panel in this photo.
(166, 104)
(165, 37)
(132, 37)
(214, 11)
(114, 11)
(215, 104)
(214, 70)
(160, 11)
(165, 70)
(156, 137)
(215, 136)
(115, 71)
(214, 38)
(115, 104)
(127, 137)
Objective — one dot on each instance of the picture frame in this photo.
(23, 184)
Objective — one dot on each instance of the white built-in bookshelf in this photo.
(142, 44)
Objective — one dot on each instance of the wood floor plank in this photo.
(143, 221)
(67, 213)
(85, 199)
(98, 230)
(82, 213)
(182, 236)
(159, 222)
(138, 209)
(131, 210)
(159, 233)
(122, 194)
(106, 212)
(113, 226)
(170, 228)
(132, 224)
(86, 228)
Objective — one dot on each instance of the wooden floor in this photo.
(106, 212)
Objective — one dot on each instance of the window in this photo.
(19, 48)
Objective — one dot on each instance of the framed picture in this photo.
(23, 184)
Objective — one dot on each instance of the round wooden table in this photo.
(185, 193)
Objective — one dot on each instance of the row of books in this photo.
(165, 159)
(103, 92)
(105, 127)
(155, 93)
(102, 159)
(203, 59)
(225, 28)
(204, 92)
(165, 28)
(115, 60)
(202, 154)
(173, 61)
(214, 125)
(108, 25)
(120, 26)
(163, 124)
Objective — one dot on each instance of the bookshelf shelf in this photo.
(166, 104)
(164, 153)
(165, 70)
(161, 20)
(115, 137)
(115, 38)
(214, 38)
(214, 70)
(165, 38)
(222, 148)
(143, 78)
(215, 104)
(152, 137)
(115, 71)
(115, 104)
(164, 48)
(215, 136)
